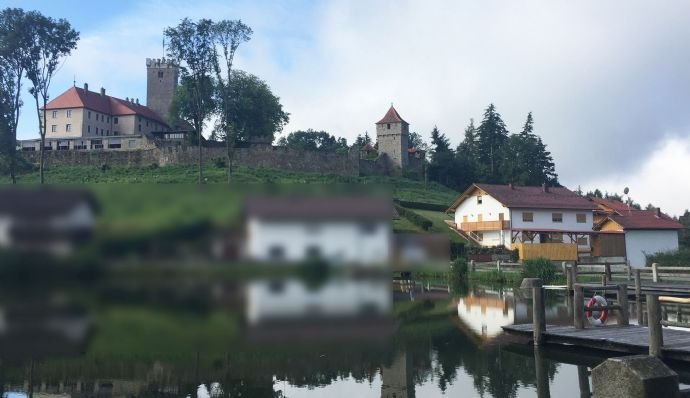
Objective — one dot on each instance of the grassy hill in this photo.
(150, 199)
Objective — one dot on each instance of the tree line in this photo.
(32, 47)
(489, 153)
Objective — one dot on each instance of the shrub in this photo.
(459, 269)
(422, 206)
(457, 249)
(541, 268)
(416, 219)
(219, 163)
(676, 258)
(105, 167)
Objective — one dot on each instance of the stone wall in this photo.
(256, 157)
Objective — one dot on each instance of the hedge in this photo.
(420, 221)
(421, 205)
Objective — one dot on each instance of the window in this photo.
(88, 129)
(108, 119)
(54, 114)
(480, 217)
(527, 216)
(140, 127)
(68, 127)
(131, 143)
(557, 217)
(368, 228)
(581, 218)
(160, 74)
(479, 199)
(69, 113)
(276, 252)
(116, 133)
(89, 116)
(582, 241)
(556, 237)
(464, 218)
(53, 128)
(114, 120)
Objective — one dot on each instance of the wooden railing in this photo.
(484, 226)
(656, 321)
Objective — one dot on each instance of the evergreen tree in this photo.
(492, 134)
(468, 146)
(526, 160)
(439, 141)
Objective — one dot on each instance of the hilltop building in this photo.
(80, 119)
(392, 136)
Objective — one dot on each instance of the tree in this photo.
(191, 44)
(439, 141)
(311, 140)
(190, 101)
(15, 51)
(526, 160)
(468, 146)
(416, 141)
(228, 35)
(254, 110)
(7, 142)
(492, 134)
(52, 40)
(363, 140)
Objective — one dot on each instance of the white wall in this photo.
(490, 209)
(338, 241)
(543, 220)
(639, 242)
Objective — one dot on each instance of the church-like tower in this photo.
(392, 136)
(161, 83)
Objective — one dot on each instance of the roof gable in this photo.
(392, 116)
(76, 97)
(529, 197)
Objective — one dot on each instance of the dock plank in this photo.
(632, 339)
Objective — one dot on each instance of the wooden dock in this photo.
(631, 339)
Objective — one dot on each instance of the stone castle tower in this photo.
(392, 136)
(161, 82)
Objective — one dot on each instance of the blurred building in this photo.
(341, 230)
(45, 220)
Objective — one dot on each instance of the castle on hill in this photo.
(87, 123)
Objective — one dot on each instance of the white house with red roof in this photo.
(632, 233)
(551, 222)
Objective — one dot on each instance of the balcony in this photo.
(484, 226)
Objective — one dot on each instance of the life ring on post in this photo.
(597, 318)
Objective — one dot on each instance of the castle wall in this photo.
(161, 82)
(255, 157)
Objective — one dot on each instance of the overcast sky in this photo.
(608, 82)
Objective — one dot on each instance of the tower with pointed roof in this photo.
(392, 136)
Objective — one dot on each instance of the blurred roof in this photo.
(644, 219)
(320, 208)
(42, 202)
(610, 205)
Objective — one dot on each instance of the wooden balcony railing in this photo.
(484, 226)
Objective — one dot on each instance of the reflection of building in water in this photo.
(293, 299)
(397, 380)
(485, 315)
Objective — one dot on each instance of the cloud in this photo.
(659, 179)
(606, 80)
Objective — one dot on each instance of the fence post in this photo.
(472, 266)
(655, 272)
(573, 272)
(498, 265)
(607, 272)
(564, 267)
(568, 280)
(629, 271)
(638, 284)
(656, 336)
(538, 314)
(624, 315)
(578, 312)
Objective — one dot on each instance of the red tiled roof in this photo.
(530, 197)
(76, 97)
(644, 219)
(611, 205)
(392, 116)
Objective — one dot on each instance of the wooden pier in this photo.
(651, 337)
(633, 339)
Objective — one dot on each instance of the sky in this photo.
(608, 82)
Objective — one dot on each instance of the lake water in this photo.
(280, 339)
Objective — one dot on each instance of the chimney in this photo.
(86, 86)
(658, 212)
(137, 101)
(103, 91)
(126, 99)
(544, 187)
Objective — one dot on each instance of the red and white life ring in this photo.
(597, 318)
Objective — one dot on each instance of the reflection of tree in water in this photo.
(495, 371)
